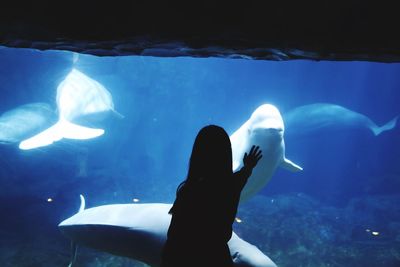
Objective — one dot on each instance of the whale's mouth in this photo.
(268, 131)
(262, 135)
(278, 130)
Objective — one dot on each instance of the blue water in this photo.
(165, 101)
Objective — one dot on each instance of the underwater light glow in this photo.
(135, 200)
(238, 220)
(374, 233)
(49, 199)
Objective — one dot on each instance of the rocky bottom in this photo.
(293, 230)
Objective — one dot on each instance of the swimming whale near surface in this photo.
(310, 118)
(139, 231)
(79, 99)
(25, 121)
(265, 128)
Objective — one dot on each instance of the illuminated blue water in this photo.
(342, 210)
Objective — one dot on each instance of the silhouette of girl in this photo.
(206, 203)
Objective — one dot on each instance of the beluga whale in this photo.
(264, 128)
(25, 121)
(139, 231)
(308, 119)
(80, 99)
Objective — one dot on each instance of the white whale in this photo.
(25, 121)
(78, 98)
(139, 231)
(309, 118)
(264, 128)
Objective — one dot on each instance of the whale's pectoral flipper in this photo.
(117, 114)
(74, 247)
(290, 166)
(388, 126)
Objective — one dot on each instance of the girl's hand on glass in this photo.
(250, 160)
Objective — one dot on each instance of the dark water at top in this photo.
(164, 102)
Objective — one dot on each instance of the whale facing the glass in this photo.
(265, 129)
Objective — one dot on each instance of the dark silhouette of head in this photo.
(210, 161)
(211, 155)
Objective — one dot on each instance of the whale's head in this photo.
(266, 124)
(81, 97)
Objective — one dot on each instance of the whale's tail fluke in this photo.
(62, 129)
(388, 126)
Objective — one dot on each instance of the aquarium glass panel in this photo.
(93, 149)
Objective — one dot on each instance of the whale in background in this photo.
(264, 128)
(139, 231)
(310, 118)
(25, 121)
(80, 99)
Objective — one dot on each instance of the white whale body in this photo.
(25, 121)
(139, 231)
(78, 98)
(310, 118)
(264, 128)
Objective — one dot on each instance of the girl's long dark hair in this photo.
(210, 161)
